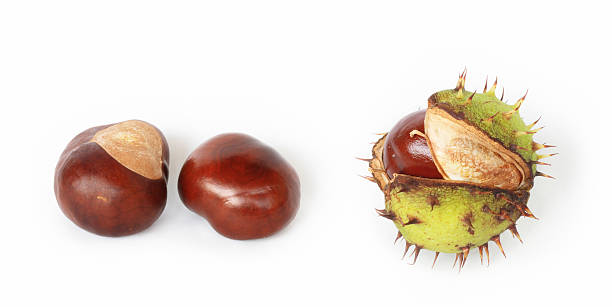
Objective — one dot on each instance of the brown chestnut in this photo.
(409, 155)
(244, 188)
(111, 180)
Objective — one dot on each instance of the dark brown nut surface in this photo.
(406, 154)
(244, 188)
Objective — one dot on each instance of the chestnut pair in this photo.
(111, 180)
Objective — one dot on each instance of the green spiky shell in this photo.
(447, 216)
(485, 111)
(454, 216)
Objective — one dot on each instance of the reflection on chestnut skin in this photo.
(244, 188)
(403, 154)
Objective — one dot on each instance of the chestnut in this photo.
(111, 180)
(406, 154)
(243, 187)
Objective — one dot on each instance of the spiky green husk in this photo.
(485, 111)
(446, 216)
(455, 216)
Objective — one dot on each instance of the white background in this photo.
(315, 80)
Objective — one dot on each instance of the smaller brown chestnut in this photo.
(244, 188)
(111, 180)
(409, 155)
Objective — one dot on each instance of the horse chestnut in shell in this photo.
(244, 188)
(111, 180)
(405, 154)
(459, 174)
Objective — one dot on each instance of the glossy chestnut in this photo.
(111, 180)
(243, 187)
(409, 155)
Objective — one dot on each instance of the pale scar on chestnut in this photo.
(135, 145)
